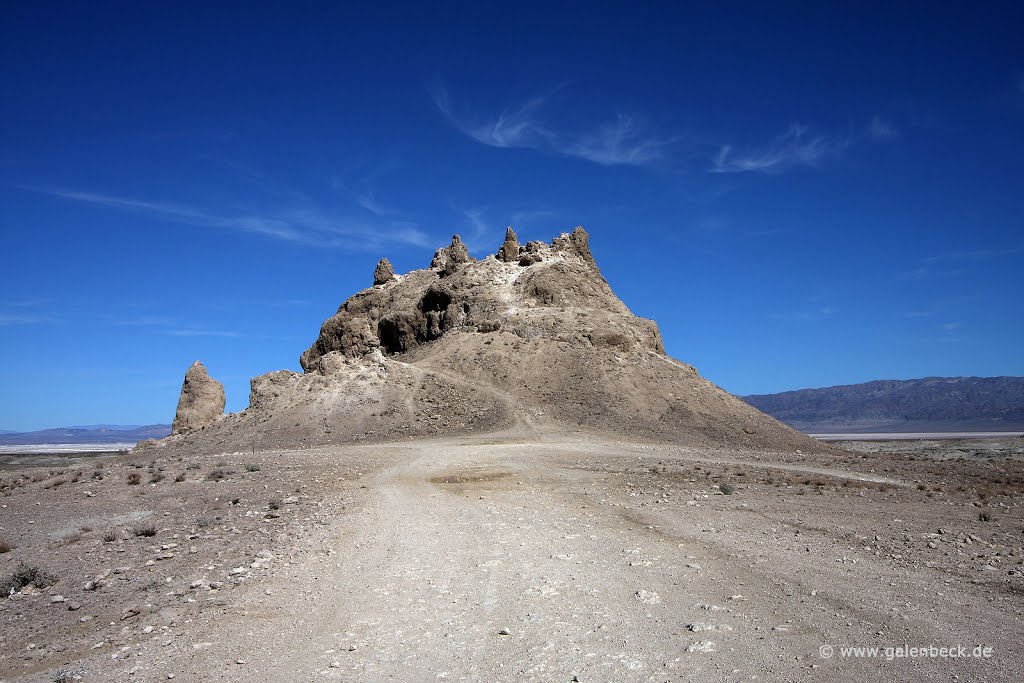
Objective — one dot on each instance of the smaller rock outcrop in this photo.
(383, 273)
(577, 241)
(509, 251)
(449, 259)
(201, 402)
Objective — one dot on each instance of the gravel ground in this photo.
(525, 556)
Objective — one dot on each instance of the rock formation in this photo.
(449, 259)
(531, 338)
(509, 250)
(384, 272)
(201, 402)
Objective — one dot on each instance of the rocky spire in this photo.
(578, 241)
(384, 272)
(509, 250)
(451, 258)
(201, 402)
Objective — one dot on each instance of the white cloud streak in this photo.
(304, 227)
(619, 142)
(794, 147)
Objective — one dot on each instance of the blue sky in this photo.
(800, 194)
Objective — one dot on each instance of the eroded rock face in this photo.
(384, 272)
(552, 291)
(201, 402)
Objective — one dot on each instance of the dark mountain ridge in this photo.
(927, 404)
(104, 434)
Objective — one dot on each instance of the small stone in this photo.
(147, 629)
(74, 606)
(57, 598)
(504, 632)
(701, 646)
(335, 665)
(647, 597)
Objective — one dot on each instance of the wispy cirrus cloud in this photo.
(819, 313)
(956, 263)
(881, 130)
(172, 327)
(971, 255)
(9, 319)
(796, 146)
(303, 226)
(622, 141)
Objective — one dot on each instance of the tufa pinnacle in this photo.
(384, 272)
(201, 402)
(509, 250)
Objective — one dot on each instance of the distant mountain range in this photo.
(932, 404)
(86, 434)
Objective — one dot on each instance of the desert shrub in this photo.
(275, 503)
(205, 521)
(192, 466)
(157, 477)
(5, 547)
(180, 477)
(27, 575)
(216, 475)
(66, 675)
(253, 467)
(147, 530)
(134, 478)
(72, 537)
(985, 517)
(111, 536)
(727, 488)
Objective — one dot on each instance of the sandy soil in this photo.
(533, 556)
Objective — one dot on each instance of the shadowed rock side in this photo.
(532, 337)
(201, 402)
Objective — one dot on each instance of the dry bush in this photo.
(146, 531)
(111, 536)
(5, 547)
(26, 575)
(134, 479)
(180, 477)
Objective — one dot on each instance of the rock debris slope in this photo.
(532, 337)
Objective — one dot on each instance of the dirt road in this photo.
(562, 560)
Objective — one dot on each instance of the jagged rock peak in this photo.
(578, 241)
(509, 250)
(201, 402)
(384, 272)
(449, 259)
(551, 291)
